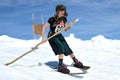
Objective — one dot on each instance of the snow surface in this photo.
(103, 55)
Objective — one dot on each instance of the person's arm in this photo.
(68, 26)
(43, 32)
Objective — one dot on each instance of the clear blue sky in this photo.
(97, 17)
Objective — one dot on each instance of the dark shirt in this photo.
(57, 24)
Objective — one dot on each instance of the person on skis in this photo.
(58, 43)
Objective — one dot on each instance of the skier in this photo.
(58, 43)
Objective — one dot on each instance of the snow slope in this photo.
(103, 55)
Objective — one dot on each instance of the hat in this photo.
(61, 7)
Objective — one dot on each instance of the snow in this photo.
(103, 55)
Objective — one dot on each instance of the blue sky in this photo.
(97, 17)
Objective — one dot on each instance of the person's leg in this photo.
(60, 57)
(61, 67)
(73, 57)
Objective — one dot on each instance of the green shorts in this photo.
(59, 45)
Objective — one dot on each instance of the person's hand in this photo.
(68, 26)
(71, 24)
(43, 40)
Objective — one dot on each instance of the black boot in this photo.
(78, 64)
(63, 69)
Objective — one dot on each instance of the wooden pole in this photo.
(35, 47)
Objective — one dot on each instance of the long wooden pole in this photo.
(35, 47)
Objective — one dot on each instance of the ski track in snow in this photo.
(103, 55)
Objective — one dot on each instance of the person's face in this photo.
(61, 13)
